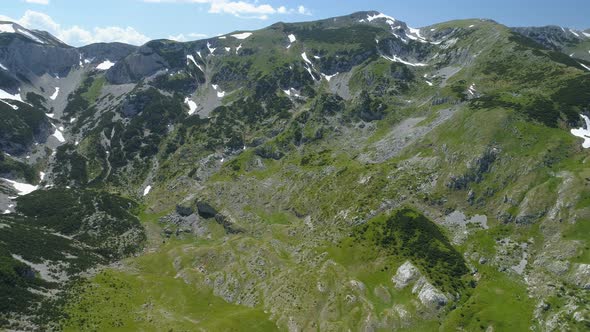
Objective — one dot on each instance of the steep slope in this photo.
(350, 173)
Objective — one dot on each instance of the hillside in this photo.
(349, 173)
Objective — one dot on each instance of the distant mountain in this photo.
(352, 173)
(572, 42)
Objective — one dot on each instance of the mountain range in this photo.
(352, 173)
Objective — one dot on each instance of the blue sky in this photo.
(136, 21)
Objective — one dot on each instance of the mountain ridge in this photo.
(349, 173)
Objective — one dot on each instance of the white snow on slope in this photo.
(472, 89)
(58, 134)
(30, 35)
(292, 38)
(583, 65)
(191, 58)
(306, 59)
(380, 15)
(415, 35)
(105, 65)
(147, 190)
(328, 77)
(227, 49)
(238, 48)
(14, 107)
(400, 60)
(21, 188)
(575, 34)
(211, 49)
(242, 35)
(6, 95)
(54, 95)
(586, 34)
(7, 27)
(429, 83)
(583, 132)
(2, 66)
(191, 105)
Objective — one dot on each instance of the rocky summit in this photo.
(346, 174)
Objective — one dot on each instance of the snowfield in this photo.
(583, 132)
(54, 95)
(6, 95)
(191, 105)
(105, 65)
(242, 35)
(147, 190)
(22, 188)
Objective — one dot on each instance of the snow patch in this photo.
(22, 188)
(191, 58)
(292, 38)
(211, 49)
(395, 58)
(30, 36)
(6, 95)
(583, 132)
(238, 48)
(575, 34)
(105, 65)
(328, 77)
(380, 15)
(242, 35)
(54, 95)
(472, 89)
(147, 190)
(583, 65)
(14, 107)
(222, 37)
(586, 34)
(429, 83)
(58, 134)
(227, 49)
(2, 66)
(306, 59)
(191, 105)
(7, 27)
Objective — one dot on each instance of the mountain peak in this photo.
(36, 36)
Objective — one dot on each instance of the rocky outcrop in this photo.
(428, 295)
(406, 274)
(143, 63)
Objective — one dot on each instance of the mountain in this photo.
(575, 43)
(348, 173)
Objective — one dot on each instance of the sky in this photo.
(81, 22)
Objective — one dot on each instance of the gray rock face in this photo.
(144, 62)
(429, 295)
(406, 274)
(107, 51)
(552, 36)
(31, 59)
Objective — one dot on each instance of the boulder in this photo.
(406, 274)
(205, 210)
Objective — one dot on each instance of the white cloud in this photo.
(76, 35)
(244, 9)
(191, 36)
(39, 2)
